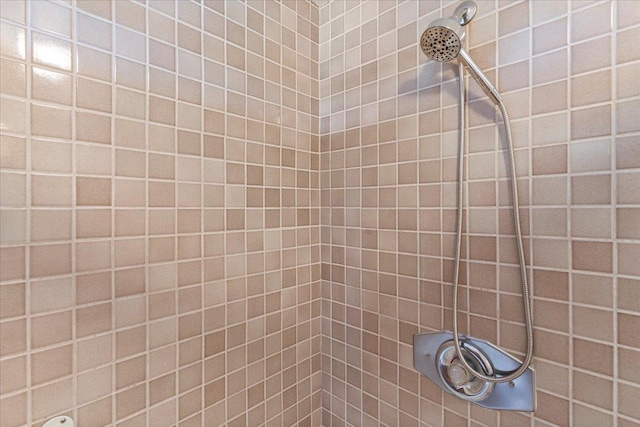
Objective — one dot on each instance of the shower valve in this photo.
(448, 373)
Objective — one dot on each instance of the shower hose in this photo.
(501, 376)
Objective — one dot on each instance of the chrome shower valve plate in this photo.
(434, 356)
(61, 421)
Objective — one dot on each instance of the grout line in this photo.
(571, 314)
(29, 212)
(614, 236)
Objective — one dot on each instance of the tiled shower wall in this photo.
(160, 210)
(160, 213)
(568, 71)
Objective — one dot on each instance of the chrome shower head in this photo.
(442, 40)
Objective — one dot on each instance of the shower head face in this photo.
(442, 40)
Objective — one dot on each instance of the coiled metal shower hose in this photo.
(509, 375)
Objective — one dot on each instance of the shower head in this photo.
(442, 42)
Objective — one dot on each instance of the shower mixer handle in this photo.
(458, 374)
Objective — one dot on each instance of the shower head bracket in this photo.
(465, 12)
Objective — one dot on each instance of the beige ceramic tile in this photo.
(591, 190)
(591, 88)
(581, 63)
(15, 377)
(627, 85)
(13, 79)
(51, 294)
(14, 229)
(51, 364)
(628, 294)
(13, 114)
(14, 41)
(591, 22)
(131, 15)
(626, 52)
(14, 11)
(13, 300)
(626, 114)
(92, 31)
(550, 36)
(51, 399)
(51, 329)
(50, 260)
(625, 188)
(93, 255)
(51, 17)
(50, 122)
(591, 222)
(12, 152)
(591, 156)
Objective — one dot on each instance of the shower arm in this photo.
(480, 77)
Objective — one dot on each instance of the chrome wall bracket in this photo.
(434, 356)
(465, 12)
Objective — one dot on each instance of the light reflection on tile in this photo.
(51, 51)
